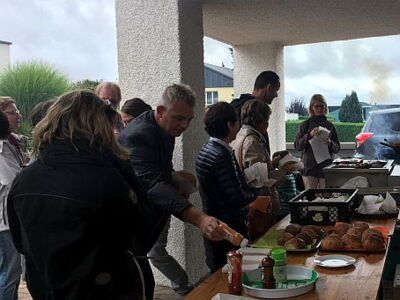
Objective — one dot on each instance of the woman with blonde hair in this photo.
(78, 213)
(312, 174)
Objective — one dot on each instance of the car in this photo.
(380, 136)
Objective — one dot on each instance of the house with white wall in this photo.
(4, 55)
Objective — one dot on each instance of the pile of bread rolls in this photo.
(356, 236)
(296, 236)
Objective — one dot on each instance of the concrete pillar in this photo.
(160, 42)
(248, 62)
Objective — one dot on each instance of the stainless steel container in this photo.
(335, 177)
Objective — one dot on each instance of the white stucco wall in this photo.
(160, 43)
(251, 60)
(4, 56)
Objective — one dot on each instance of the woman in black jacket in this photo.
(223, 189)
(78, 213)
(313, 176)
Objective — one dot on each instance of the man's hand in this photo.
(209, 228)
(277, 156)
(207, 224)
(289, 167)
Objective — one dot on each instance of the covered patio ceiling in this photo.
(293, 22)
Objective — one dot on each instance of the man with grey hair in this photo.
(109, 91)
(151, 139)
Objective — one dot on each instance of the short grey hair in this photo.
(178, 92)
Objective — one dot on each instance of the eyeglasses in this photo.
(127, 121)
(319, 106)
(107, 102)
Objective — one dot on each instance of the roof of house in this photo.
(5, 42)
(222, 70)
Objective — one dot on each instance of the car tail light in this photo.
(362, 137)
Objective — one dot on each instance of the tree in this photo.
(298, 106)
(32, 82)
(351, 110)
(86, 84)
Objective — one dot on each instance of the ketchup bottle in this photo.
(235, 272)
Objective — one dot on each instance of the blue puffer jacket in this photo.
(223, 190)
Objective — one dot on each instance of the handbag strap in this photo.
(241, 152)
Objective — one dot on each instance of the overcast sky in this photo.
(79, 38)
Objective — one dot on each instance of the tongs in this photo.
(386, 143)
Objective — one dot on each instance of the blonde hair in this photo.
(79, 115)
(317, 98)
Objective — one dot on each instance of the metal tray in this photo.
(383, 230)
(376, 216)
(300, 281)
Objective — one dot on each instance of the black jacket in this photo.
(72, 215)
(223, 190)
(301, 143)
(151, 157)
(237, 105)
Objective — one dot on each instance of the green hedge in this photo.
(346, 131)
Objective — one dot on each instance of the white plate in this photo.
(334, 261)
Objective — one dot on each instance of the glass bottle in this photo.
(235, 272)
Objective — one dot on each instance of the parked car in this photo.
(380, 136)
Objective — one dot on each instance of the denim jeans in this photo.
(10, 267)
(167, 265)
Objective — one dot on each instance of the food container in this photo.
(376, 192)
(303, 210)
(270, 241)
(300, 280)
(336, 176)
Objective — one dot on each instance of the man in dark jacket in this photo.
(223, 190)
(266, 88)
(151, 139)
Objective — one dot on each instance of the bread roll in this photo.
(310, 232)
(359, 224)
(352, 241)
(316, 229)
(342, 228)
(370, 232)
(355, 231)
(372, 242)
(306, 237)
(293, 228)
(332, 243)
(284, 238)
(295, 243)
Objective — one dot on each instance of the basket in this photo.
(322, 213)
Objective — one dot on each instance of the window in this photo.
(211, 98)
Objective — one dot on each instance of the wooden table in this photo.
(360, 281)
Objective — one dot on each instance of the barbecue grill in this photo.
(377, 177)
